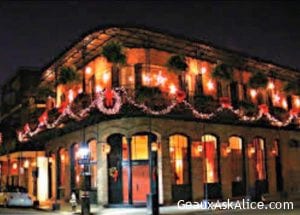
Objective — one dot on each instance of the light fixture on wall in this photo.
(210, 85)
(88, 70)
(226, 150)
(197, 150)
(251, 150)
(106, 148)
(26, 164)
(271, 85)
(155, 146)
(274, 149)
(253, 93)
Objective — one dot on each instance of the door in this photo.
(114, 162)
(140, 183)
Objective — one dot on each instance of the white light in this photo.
(83, 152)
(105, 77)
(203, 70)
(160, 79)
(98, 89)
(130, 79)
(42, 180)
(88, 70)
(210, 85)
(276, 98)
(297, 102)
(271, 85)
(253, 93)
(284, 104)
(146, 79)
(80, 91)
(172, 89)
(71, 95)
(15, 166)
(26, 164)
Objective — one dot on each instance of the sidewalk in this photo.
(65, 208)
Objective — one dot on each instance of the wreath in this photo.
(114, 106)
(114, 173)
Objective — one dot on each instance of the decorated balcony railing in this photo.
(152, 102)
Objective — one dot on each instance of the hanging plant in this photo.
(292, 87)
(68, 75)
(258, 80)
(177, 64)
(151, 97)
(113, 52)
(223, 72)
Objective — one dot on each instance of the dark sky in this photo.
(32, 34)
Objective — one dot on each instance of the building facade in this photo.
(226, 124)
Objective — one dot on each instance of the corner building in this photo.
(209, 141)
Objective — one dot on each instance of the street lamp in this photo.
(84, 154)
(152, 201)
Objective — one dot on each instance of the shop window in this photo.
(235, 144)
(139, 147)
(259, 158)
(179, 159)
(77, 167)
(211, 159)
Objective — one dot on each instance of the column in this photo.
(42, 180)
(166, 171)
(197, 174)
(225, 165)
(270, 165)
(102, 175)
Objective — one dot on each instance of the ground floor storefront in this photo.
(195, 160)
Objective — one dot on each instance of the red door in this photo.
(140, 183)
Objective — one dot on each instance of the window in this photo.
(179, 159)
(211, 159)
(259, 158)
(77, 167)
(235, 144)
(139, 148)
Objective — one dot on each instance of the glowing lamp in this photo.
(130, 79)
(98, 89)
(210, 85)
(160, 79)
(88, 70)
(251, 151)
(253, 93)
(62, 157)
(146, 79)
(276, 98)
(271, 86)
(284, 104)
(105, 77)
(106, 148)
(172, 149)
(297, 103)
(154, 147)
(26, 164)
(172, 89)
(15, 166)
(203, 70)
(84, 152)
(71, 95)
(80, 91)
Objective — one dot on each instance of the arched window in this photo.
(179, 159)
(235, 144)
(259, 158)
(77, 167)
(211, 159)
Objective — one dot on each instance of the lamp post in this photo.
(85, 161)
(152, 201)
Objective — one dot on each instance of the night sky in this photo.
(32, 34)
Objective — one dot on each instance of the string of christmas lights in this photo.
(109, 102)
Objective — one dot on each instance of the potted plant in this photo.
(292, 87)
(68, 75)
(151, 96)
(113, 52)
(205, 103)
(223, 73)
(258, 80)
(178, 65)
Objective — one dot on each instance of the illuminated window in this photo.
(259, 158)
(179, 159)
(139, 148)
(211, 159)
(235, 144)
(93, 157)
